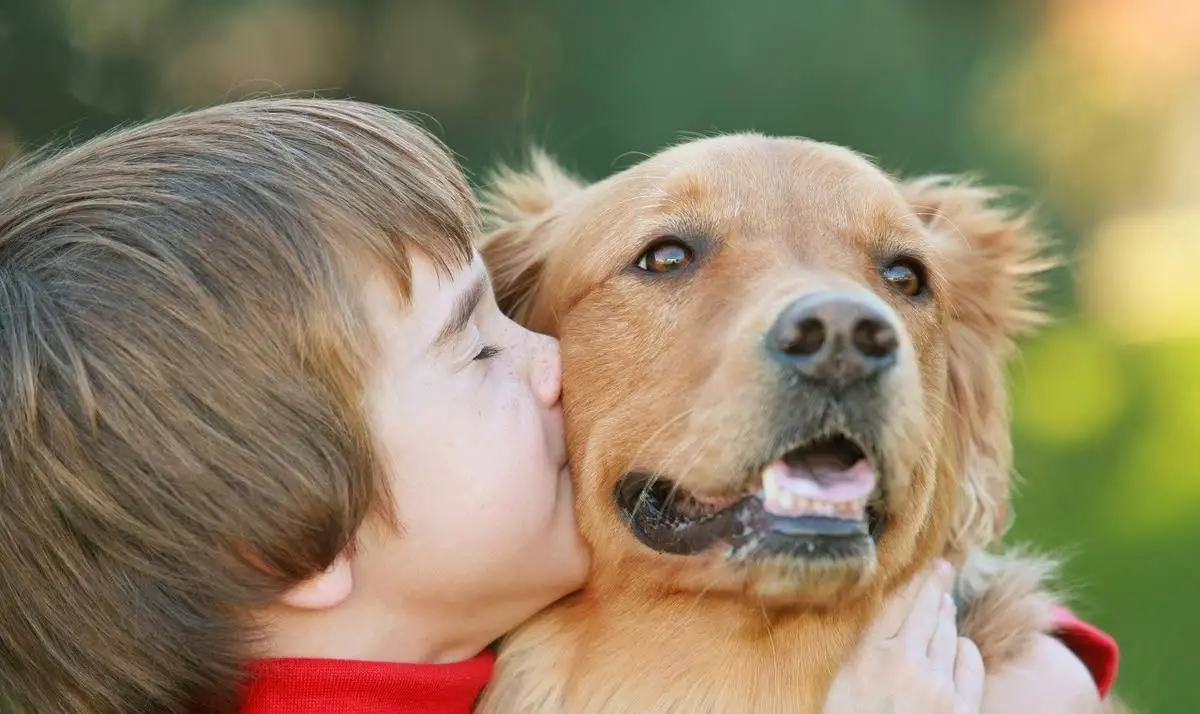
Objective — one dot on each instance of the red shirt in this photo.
(338, 686)
(1095, 648)
(330, 686)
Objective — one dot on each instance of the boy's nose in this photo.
(546, 373)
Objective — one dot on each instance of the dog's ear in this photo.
(993, 265)
(517, 206)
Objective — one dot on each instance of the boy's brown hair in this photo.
(181, 370)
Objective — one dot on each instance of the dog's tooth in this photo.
(786, 500)
(770, 481)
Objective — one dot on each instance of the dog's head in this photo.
(783, 368)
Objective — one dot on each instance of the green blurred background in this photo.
(1091, 106)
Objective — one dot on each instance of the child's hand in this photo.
(911, 659)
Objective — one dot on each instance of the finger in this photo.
(923, 616)
(896, 608)
(943, 648)
(968, 678)
(945, 574)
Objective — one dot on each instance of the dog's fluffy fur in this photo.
(655, 369)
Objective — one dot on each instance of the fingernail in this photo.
(945, 573)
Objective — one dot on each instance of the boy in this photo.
(261, 413)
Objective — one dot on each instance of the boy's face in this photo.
(465, 412)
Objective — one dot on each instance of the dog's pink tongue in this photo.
(817, 488)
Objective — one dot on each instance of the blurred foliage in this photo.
(1092, 106)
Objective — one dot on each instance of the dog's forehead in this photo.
(763, 181)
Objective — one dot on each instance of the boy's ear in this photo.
(993, 265)
(325, 590)
(518, 206)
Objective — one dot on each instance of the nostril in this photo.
(875, 338)
(799, 335)
(810, 336)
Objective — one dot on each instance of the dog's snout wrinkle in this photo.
(834, 338)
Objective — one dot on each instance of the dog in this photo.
(784, 389)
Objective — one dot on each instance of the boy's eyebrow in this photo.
(464, 308)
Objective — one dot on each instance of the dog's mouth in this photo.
(821, 499)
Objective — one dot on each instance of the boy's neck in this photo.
(361, 633)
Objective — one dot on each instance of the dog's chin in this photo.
(810, 584)
(802, 529)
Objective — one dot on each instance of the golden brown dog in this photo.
(784, 392)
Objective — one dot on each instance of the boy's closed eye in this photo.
(488, 352)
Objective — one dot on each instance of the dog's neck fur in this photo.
(702, 654)
(705, 654)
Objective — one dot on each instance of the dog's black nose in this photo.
(836, 338)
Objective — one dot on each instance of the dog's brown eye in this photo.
(665, 257)
(905, 276)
